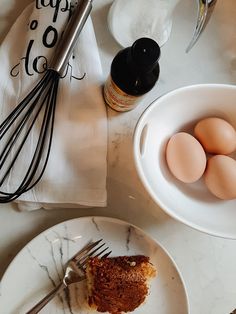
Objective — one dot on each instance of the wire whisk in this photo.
(37, 110)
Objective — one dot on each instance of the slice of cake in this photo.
(118, 284)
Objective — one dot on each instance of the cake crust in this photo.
(118, 284)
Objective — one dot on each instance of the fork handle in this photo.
(47, 298)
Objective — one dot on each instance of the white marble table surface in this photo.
(207, 263)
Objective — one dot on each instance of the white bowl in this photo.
(177, 111)
(133, 19)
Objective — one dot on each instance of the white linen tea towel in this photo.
(75, 175)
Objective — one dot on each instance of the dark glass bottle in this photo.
(134, 72)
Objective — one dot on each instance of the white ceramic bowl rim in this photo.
(144, 179)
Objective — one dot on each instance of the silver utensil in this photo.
(75, 271)
(205, 9)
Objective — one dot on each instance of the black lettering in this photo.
(66, 7)
(50, 42)
(69, 67)
(53, 4)
(56, 6)
(26, 58)
(44, 4)
(34, 24)
(37, 5)
(37, 65)
(16, 67)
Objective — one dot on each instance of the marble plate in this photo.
(39, 266)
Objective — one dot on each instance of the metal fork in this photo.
(75, 271)
(205, 9)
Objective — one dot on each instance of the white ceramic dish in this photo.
(38, 267)
(133, 19)
(176, 111)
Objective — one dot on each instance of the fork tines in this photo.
(93, 249)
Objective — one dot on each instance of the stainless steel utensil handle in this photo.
(46, 299)
(205, 9)
(210, 8)
(70, 36)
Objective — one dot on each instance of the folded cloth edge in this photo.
(27, 204)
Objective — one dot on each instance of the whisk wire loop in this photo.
(20, 127)
(48, 123)
(10, 119)
(49, 84)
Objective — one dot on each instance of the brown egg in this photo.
(216, 135)
(220, 176)
(185, 157)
